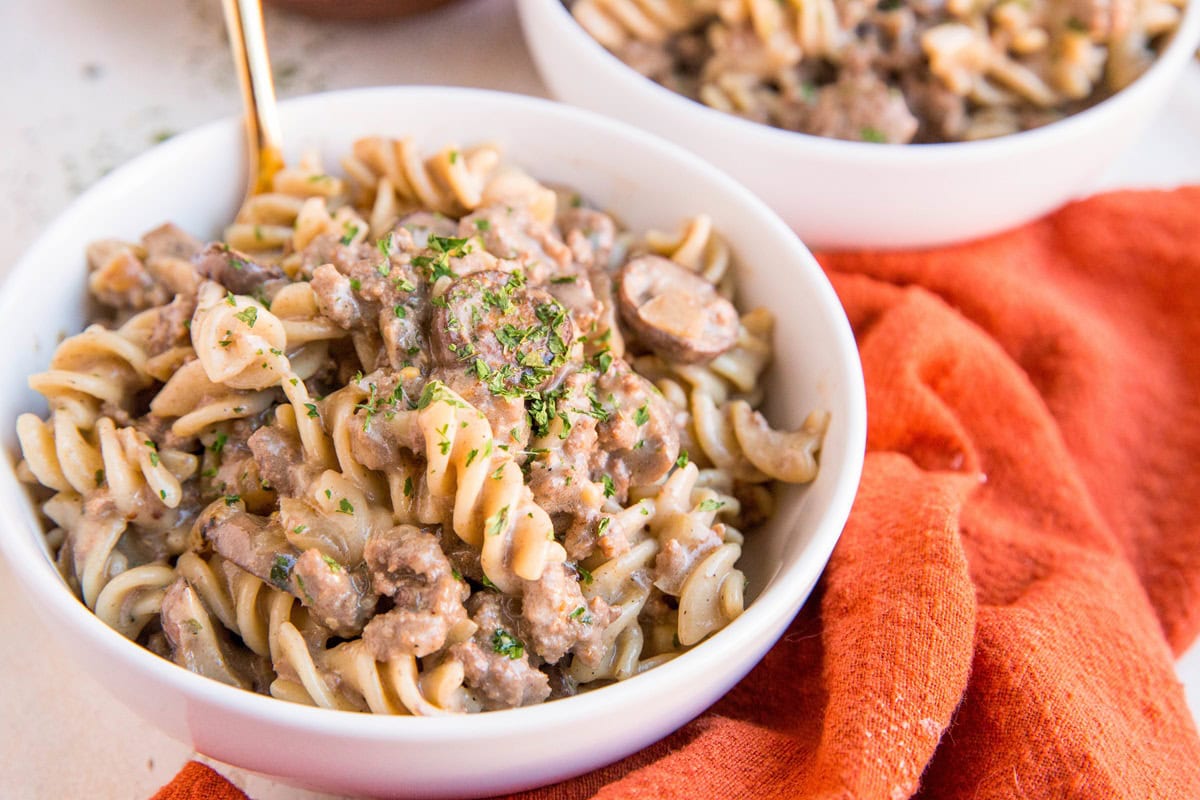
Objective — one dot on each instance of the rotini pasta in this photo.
(887, 71)
(432, 438)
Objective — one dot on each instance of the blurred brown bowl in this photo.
(358, 9)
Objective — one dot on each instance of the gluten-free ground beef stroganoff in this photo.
(428, 438)
(888, 70)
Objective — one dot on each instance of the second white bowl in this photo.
(839, 194)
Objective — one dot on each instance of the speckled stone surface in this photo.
(88, 85)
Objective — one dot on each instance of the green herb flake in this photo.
(355, 284)
(332, 563)
(312, 410)
(506, 644)
(408, 487)
(399, 311)
(232, 499)
(345, 507)
(682, 461)
(711, 505)
(871, 134)
(350, 231)
(609, 489)
(483, 225)
(496, 523)
(641, 416)
(248, 315)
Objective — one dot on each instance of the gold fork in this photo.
(264, 139)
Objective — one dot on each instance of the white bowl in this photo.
(195, 181)
(838, 194)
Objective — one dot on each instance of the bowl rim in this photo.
(1178, 51)
(772, 609)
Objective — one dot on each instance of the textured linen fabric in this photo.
(1022, 562)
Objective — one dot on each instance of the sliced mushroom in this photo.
(202, 646)
(677, 313)
(237, 272)
(789, 456)
(510, 334)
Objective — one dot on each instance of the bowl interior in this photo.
(195, 181)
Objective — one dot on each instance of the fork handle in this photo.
(264, 139)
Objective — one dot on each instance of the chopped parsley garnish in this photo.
(399, 311)
(281, 570)
(218, 444)
(471, 456)
(711, 505)
(456, 574)
(303, 589)
(602, 528)
(232, 499)
(581, 614)
(345, 507)
(871, 134)
(564, 279)
(483, 225)
(682, 461)
(506, 644)
(312, 410)
(332, 563)
(438, 266)
(349, 232)
(408, 487)
(584, 575)
(436, 391)
(609, 489)
(641, 416)
(496, 523)
(487, 582)
(355, 284)
(248, 315)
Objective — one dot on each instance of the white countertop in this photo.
(96, 83)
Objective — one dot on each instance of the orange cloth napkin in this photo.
(1022, 563)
